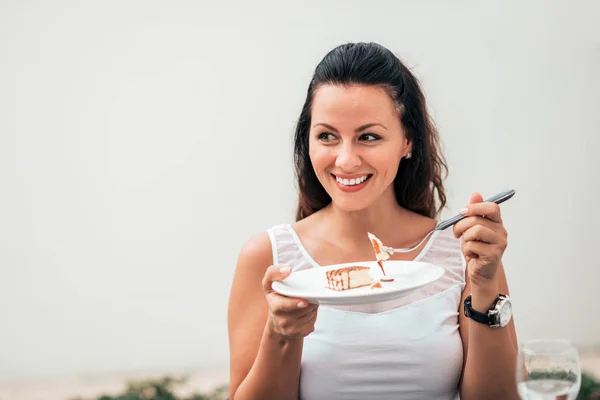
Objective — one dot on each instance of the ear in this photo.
(408, 151)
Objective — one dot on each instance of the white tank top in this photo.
(407, 348)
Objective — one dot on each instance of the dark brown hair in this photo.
(419, 179)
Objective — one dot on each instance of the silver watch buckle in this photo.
(494, 318)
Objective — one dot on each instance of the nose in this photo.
(348, 158)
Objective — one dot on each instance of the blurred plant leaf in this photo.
(163, 389)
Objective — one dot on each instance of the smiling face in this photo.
(356, 143)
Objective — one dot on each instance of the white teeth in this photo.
(351, 182)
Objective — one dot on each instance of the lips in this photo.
(351, 183)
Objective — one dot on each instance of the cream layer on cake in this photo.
(348, 278)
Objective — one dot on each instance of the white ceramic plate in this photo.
(408, 275)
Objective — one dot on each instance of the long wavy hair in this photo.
(418, 184)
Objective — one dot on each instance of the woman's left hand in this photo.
(484, 240)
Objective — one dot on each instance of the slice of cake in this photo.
(378, 248)
(380, 255)
(348, 278)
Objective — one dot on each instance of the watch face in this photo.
(505, 313)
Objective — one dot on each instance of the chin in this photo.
(350, 204)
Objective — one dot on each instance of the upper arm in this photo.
(464, 321)
(247, 310)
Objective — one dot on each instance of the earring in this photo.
(409, 155)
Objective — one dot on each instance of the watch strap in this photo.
(477, 316)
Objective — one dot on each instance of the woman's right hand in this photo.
(288, 317)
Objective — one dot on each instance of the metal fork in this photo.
(499, 198)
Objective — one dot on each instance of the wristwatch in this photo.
(498, 316)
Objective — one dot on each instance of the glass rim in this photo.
(549, 341)
(549, 346)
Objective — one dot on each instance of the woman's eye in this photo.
(326, 136)
(369, 137)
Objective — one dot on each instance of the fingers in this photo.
(481, 233)
(290, 317)
(470, 222)
(484, 237)
(473, 249)
(278, 302)
(308, 317)
(491, 211)
(479, 212)
(290, 320)
(481, 250)
(274, 274)
(476, 198)
(282, 305)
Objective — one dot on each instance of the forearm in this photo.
(275, 373)
(491, 360)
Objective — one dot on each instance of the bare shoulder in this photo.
(247, 302)
(254, 258)
(256, 255)
(423, 221)
(419, 226)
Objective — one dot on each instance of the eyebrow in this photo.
(360, 128)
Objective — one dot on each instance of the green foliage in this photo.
(165, 389)
(560, 375)
(590, 388)
(162, 389)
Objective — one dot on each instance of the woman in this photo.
(367, 159)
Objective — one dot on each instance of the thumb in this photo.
(476, 198)
(274, 273)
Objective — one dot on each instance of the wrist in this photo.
(272, 334)
(483, 295)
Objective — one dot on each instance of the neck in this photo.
(381, 219)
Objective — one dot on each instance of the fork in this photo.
(499, 198)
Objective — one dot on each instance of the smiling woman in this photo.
(377, 110)
(367, 159)
(361, 144)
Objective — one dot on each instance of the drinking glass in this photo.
(548, 369)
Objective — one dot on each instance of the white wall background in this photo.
(142, 142)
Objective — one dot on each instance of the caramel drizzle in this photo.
(377, 250)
